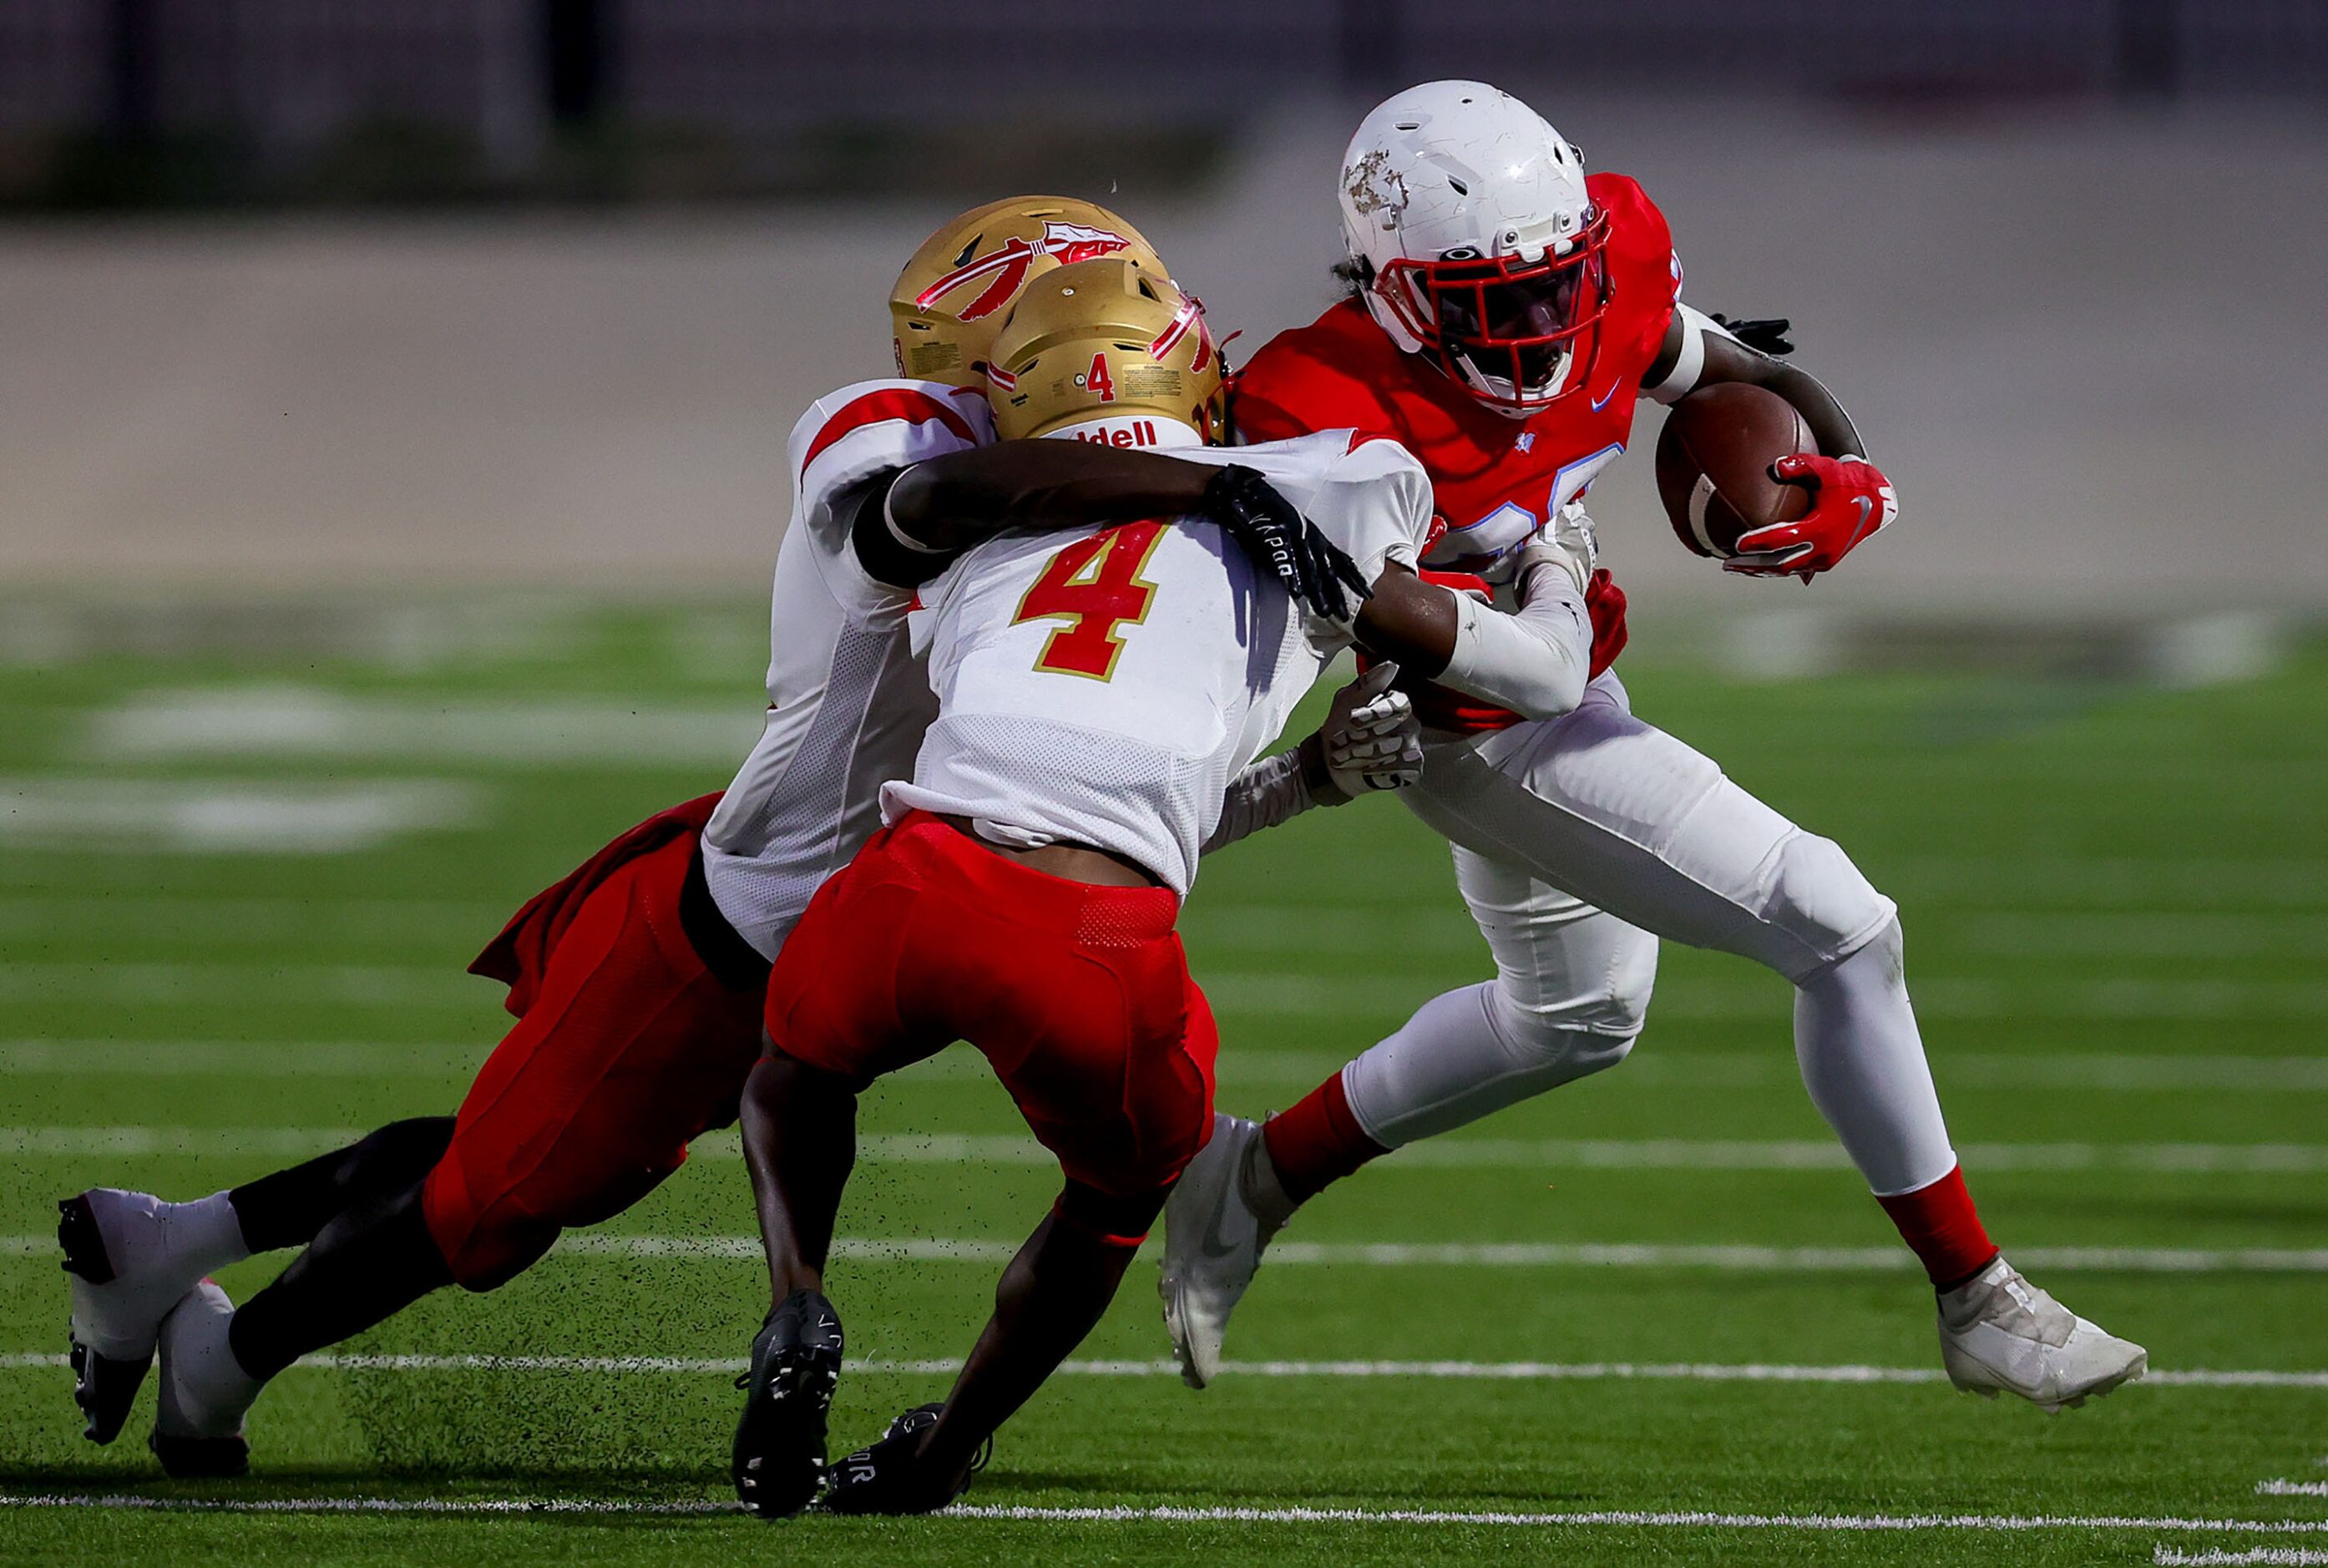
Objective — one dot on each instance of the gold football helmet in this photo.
(1104, 340)
(955, 292)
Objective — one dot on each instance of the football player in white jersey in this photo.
(637, 981)
(1094, 700)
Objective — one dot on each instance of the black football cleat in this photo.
(104, 1385)
(891, 1477)
(778, 1461)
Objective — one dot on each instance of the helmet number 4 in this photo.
(1098, 380)
(1094, 586)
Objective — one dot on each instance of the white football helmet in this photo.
(1474, 241)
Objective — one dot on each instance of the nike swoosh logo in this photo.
(1867, 507)
(1602, 401)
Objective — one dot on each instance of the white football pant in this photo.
(1577, 843)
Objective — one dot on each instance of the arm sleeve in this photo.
(1269, 792)
(1537, 660)
(1682, 380)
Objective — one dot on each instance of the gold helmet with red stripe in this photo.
(956, 292)
(1108, 349)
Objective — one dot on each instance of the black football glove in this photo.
(1314, 570)
(1767, 337)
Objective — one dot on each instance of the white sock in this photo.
(1863, 1061)
(170, 1244)
(210, 1389)
(202, 1236)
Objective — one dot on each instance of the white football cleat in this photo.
(1213, 1242)
(125, 1278)
(2000, 1333)
(204, 1391)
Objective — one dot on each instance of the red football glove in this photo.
(1605, 602)
(1850, 501)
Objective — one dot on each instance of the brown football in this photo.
(1713, 465)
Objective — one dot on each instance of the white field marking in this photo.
(407, 985)
(1604, 1518)
(1654, 1154)
(449, 1505)
(75, 1142)
(1988, 882)
(2288, 1556)
(1439, 1370)
(2286, 1488)
(1452, 1153)
(2206, 1001)
(302, 721)
(1408, 930)
(1720, 1258)
(2093, 1072)
(2190, 936)
(2140, 880)
(242, 983)
(241, 1059)
(224, 816)
(255, 920)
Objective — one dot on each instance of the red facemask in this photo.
(1524, 322)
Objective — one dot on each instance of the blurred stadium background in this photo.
(393, 411)
(438, 290)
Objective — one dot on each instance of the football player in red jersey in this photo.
(1507, 312)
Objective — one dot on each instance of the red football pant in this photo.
(631, 1049)
(1078, 996)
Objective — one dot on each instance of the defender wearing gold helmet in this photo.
(1094, 696)
(958, 289)
(636, 980)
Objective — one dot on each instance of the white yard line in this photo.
(242, 1059)
(2185, 936)
(1454, 1153)
(1716, 1258)
(2278, 1556)
(1436, 1370)
(111, 815)
(1368, 995)
(2088, 1072)
(1952, 997)
(1613, 1518)
(307, 721)
(241, 983)
(255, 920)
(2285, 1488)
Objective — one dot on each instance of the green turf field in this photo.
(241, 870)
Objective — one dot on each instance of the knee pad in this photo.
(1825, 904)
(1602, 987)
(1553, 1046)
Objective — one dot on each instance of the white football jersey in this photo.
(1104, 689)
(847, 696)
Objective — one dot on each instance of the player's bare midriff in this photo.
(1070, 862)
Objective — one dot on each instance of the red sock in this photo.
(1940, 1225)
(1317, 1141)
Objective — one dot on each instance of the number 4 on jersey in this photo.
(1094, 583)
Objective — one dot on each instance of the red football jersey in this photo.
(1497, 479)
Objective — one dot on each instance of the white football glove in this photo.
(1370, 739)
(1568, 543)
